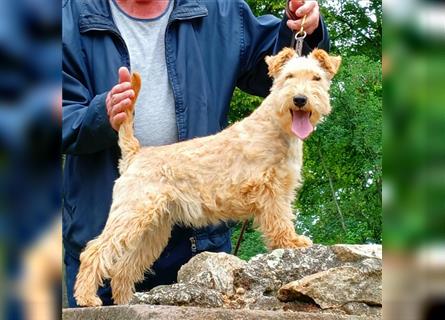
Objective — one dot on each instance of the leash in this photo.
(297, 45)
(297, 37)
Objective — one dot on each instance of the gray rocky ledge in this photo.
(143, 312)
(321, 282)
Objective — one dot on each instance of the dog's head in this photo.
(301, 88)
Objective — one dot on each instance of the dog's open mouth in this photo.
(301, 125)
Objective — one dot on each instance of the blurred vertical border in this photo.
(414, 159)
(30, 162)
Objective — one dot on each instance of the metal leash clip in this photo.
(297, 42)
(298, 38)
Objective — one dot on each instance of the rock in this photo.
(240, 291)
(340, 280)
(355, 253)
(337, 286)
(180, 294)
(273, 304)
(211, 270)
(266, 303)
(145, 312)
(268, 272)
(362, 309)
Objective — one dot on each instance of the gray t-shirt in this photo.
(155, 117)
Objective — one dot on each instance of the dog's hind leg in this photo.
(276, 222)
(89, 276)
(124, 230)
(131, 268)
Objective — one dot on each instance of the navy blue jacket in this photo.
(211, 47)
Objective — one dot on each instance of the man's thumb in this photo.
(124, 75)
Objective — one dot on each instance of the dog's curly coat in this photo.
(250, 169)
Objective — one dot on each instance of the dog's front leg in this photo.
(276, 222)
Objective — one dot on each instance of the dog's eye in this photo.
(289, 76)
(316, 78)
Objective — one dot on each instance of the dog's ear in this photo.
(329, 63)
(277, 61)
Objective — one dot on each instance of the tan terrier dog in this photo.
(250, 169)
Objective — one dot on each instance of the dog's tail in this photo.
(127, 141)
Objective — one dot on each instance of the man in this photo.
(191, 55)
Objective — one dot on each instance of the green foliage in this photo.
(355, 27)
(414, 190)
(262, 7)
(340, 201)
(342, 161)
(252, 243)
(242, 105)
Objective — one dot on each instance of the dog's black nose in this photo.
(300, 101)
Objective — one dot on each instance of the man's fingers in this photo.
(118, 97)
(117, 120)
(306, 8)
(124, 75)
(120, 107)
(294, 24)
(312, 22)
(310, 25)
(121, 87)
(108, 103)
(309, 28)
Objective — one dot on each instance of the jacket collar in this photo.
(96, 14)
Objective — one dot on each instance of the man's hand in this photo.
(300, 8)
(119, 99)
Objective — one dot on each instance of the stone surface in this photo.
(362, 309)
(143, 312)
(180, 294)
(321, 282)
(317, 279)
(335, 287)
(266, 273)
(354, 253)
(211, 270)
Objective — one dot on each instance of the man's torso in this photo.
(155, 118)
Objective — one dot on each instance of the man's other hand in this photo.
(119, 99)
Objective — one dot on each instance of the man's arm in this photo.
(267, 35)
(86, 127)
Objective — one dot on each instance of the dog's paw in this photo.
(88, 301)
(301, 242)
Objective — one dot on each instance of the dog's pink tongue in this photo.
(301, 125)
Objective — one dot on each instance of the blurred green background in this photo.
(414, 126)
(340, 201)
(414, 171)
